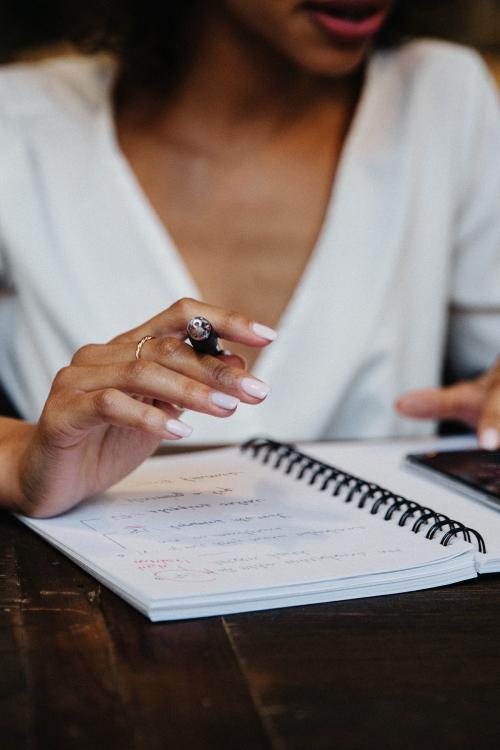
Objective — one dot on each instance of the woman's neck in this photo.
(236, 83)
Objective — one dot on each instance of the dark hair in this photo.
(149, 37)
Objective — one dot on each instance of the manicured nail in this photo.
(489, 439)
(255, 388)
(176, 427)
(264, 331)
(224, 401)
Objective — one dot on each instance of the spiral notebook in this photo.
(267, 525)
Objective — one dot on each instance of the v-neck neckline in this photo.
(165, 248)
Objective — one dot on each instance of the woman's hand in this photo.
(475, 402)
(107, 411)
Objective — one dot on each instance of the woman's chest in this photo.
(244, 223)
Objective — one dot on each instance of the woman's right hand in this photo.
(107, 411)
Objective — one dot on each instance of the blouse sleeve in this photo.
(2, 266)
(3, 262)
(4, 150)
(6, 143)
(474, 332)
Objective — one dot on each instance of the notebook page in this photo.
(383, 462)
(206, 525)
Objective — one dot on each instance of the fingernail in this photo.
(255, 388)
(176, 427)
(224, 401)
(264, 331)
(489, 439)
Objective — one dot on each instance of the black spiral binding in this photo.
(357, 490)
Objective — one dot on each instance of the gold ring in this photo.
(141, 343)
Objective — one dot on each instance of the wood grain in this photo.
(419, 670)
(15, 728)
(66, 649)
(81, 669)
(85, 670)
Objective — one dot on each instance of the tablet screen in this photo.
(474, 469)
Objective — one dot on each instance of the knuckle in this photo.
(124, 338)
(63, 378)
(105, 401)
(183, 306)
(149, 419)
(136, 371)
(84, 354)
(232, 319)
(191, 392)
(169, 347)
(221, 374)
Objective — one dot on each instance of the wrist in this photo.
(16, 438)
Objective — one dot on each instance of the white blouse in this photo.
(407, 265)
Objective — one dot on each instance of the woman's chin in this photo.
(332, 62)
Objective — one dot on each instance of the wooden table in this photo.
(79, 668)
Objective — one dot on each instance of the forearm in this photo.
(15, 437)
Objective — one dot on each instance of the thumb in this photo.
(461, 401)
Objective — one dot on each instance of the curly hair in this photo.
(151, 38)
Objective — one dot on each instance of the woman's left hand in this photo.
(475, 402)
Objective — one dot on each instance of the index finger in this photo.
(229, 324)
(488, 428)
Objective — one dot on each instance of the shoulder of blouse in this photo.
(437, 65)
(70, 84)
(448, 84)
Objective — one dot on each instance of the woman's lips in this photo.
(348, 21)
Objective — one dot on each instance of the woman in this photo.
(258, 155)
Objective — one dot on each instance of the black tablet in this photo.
(475, 473)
